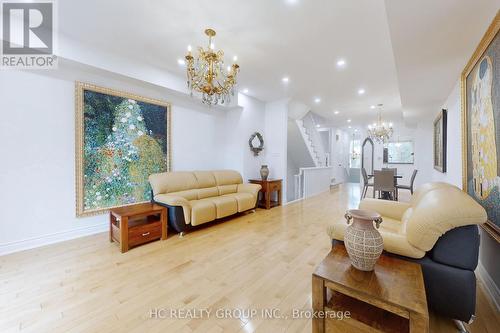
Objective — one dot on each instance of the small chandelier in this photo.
(380, 131)
(206, 74)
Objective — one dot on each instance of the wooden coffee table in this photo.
(389, 299)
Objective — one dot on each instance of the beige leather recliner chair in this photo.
(198, 197)
(438, 230)
(411, 229)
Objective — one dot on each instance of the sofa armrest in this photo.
(392, 209)
(253, 189)
(174, 200)
(458, 247)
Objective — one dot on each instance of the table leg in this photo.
(111, 219)
(419, 323)
(164, 226)
(279, 197)
(124, 234)
(318, 303)
(268, 200)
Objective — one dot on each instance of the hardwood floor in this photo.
(260, 260)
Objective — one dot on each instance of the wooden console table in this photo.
(389, 299)
(268, 187)
(137, 224)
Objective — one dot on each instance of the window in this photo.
(400, 152)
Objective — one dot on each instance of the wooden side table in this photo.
(268, 187)
(389, 299)
(137, 224)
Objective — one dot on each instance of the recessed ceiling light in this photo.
(340, 63)
(245, 91)
(286, 79)
(292, 2)
(372, 107)
(190, 48)
(235, 58)
(348, 126)
(317, 100)
(361, 91)
(336, 112)
(348, 120)
(318, 125)
(181, 62)
(355, 130)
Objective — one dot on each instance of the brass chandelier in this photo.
(206, 74)
(380, 131)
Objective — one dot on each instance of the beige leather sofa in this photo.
(198, 197)
(411, 229)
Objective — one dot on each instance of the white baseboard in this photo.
(491, 288)
(57, 237)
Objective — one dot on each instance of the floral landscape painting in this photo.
(121, 140)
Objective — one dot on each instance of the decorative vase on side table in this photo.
(363, 242)
(264, 172)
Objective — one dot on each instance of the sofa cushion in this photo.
(226, 189)
(392, 209)
(208, 192)
(205, 179)
(225, 206)
(245, 201)
(187, 194)
(202, 211)
(167, 182)
(227, 177)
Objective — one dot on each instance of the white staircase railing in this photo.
(312, 181)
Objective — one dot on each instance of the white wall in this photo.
(453, 174)
(236, 131)
(37, 133)
(276, 120)
(339, 152)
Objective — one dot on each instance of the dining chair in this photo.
(395, 170)
(366, 183)
(408, 187)
(384, 182)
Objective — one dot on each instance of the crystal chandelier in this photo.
(380, 131)
(206, 74)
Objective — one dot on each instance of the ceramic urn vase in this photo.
(264, 172)
(362, 240)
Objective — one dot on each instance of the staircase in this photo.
(307, 128)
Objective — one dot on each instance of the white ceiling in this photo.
(406, 56)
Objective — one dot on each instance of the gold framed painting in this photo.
(121, 139)
(480, 93)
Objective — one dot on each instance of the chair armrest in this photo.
(253, 189)
(174, 200)
(392, 209)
